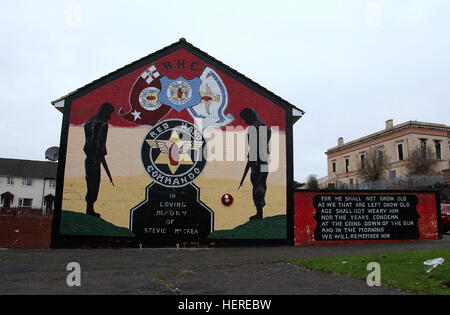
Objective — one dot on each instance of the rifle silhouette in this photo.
(247, 167)
(105, 166)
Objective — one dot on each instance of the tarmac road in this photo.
(184, 271)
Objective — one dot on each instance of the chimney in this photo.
(389, 123)
(340, 141)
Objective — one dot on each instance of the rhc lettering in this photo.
(180, 64)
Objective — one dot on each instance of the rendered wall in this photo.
(37, 191)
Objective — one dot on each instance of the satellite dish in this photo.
(52, 154)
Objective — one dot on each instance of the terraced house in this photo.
(26, 184)
(396, 142)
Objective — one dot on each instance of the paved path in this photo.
(216, 271)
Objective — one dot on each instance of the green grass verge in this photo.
(405, 271)
(74, 223)
(267, 228)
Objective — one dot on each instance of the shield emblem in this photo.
(180, 93)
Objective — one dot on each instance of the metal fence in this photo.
(409, 182)
(26, 211)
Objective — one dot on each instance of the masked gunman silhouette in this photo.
(96, 132)
(257, 161)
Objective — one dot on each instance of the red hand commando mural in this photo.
(183, 130)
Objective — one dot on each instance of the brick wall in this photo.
(25, 231)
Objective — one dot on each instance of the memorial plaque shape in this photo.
(343, 217)
(173, 154)
(172, 214)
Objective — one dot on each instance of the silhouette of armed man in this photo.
(257, 161)
(96, 132)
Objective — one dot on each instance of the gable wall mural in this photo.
(177, 149)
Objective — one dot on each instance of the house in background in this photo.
(396, 142)
(27, 184)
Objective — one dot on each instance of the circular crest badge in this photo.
(148, 98)
(179, 92)
(173, 153)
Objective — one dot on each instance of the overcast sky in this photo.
(350, 64)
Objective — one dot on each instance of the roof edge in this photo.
(405, 125)
(182, 41)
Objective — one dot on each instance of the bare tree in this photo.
(297, 185)
(312, 183)
(372, 165)
(421, 161)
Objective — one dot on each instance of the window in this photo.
(423, 144)
(334, 166)
(423, 147)
(25, 202)
(27, 181)
(437, 147)
(380, 153)
(10, 181)
(362, 157)
(400, 151)
(52, 183)
(392, 174)
(347, 165)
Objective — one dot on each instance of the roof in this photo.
(182, 43)
(27, 168)
(393, 129)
